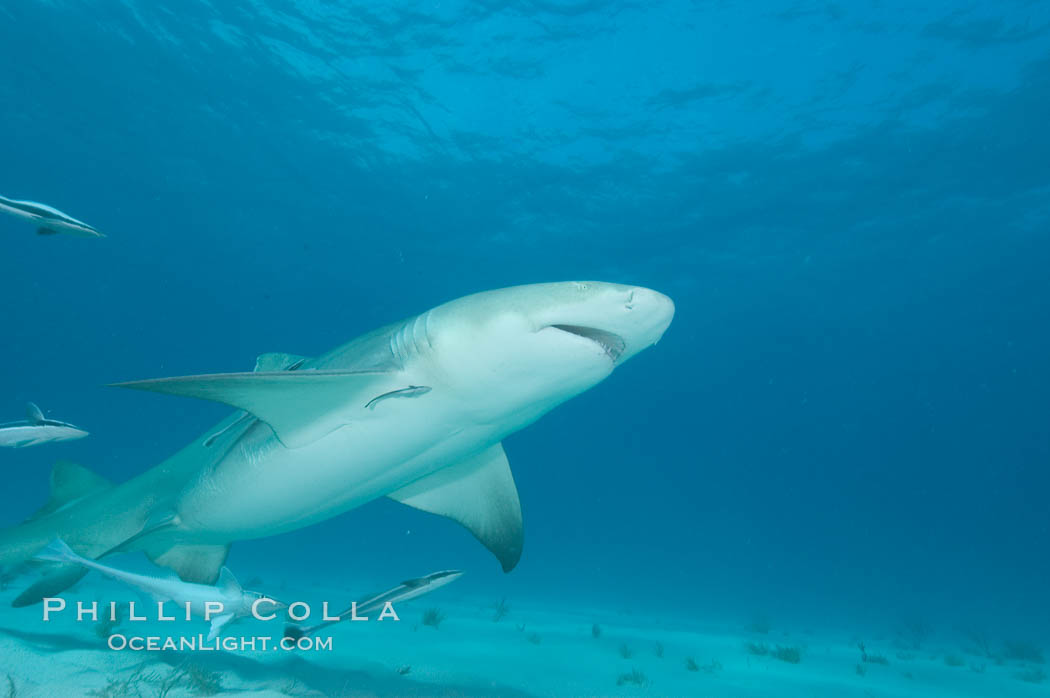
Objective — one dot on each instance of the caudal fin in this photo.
(58, 551)
(56, 580)
(69, 513)
(50, 585)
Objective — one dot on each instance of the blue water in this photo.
(847, 421)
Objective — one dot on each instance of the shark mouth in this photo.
(612, 344)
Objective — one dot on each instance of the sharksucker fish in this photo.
(36, 429)
(410, 391)
(406, 590)
(235, 602)
(305, 446)
(50, 221)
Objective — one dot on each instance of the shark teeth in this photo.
(612, 344)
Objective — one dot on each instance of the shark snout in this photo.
(648, 315)
(658, 307)
(622, 320)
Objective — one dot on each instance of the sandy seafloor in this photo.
(536, 649)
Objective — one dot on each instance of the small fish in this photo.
(404, 591)
(50, 220)
(36, 430)
(240, 420)
(410, 391)
(236, 602)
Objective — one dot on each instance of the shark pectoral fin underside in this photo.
(275, 361)
(70, 482)
(278, 361)
(59, 578)
(217, 624)
(300, 406)
(160, 520)
(479, 493)
(199, 564)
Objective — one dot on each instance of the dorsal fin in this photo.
(217, 624)
(479, 493)
(70, 483)
(228, 583)
(278, 361)
(33, 414)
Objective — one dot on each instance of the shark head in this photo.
(539, 345)
(415, 411)
(499, 359)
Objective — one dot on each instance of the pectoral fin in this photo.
(159, 521)
(300, 406)
(274, 361)
(217, 624)
(480, 494)
(199, 564)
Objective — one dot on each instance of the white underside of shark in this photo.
(414, 411)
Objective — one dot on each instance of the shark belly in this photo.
(415, 411)
(263, 488)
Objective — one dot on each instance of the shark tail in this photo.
(32, 543)
(71, 484)
(69, 571)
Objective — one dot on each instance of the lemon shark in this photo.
(415, 411)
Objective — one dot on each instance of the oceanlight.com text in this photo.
(200, 643)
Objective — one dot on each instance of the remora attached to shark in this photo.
(236, 602)
(312, 442)
(37, 429)
(50, 221)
